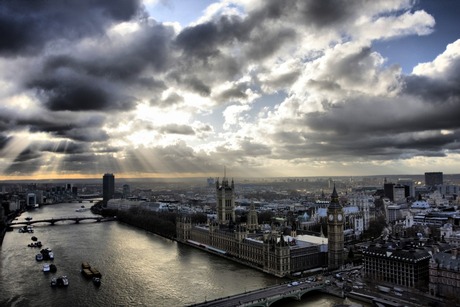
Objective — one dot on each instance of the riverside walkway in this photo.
(269, 295)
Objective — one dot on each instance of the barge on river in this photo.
(89, 271)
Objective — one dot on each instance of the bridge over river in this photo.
(267, 296)
(52, 221)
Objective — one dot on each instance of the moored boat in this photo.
(46, 267)
(61, 281)
(39, 257)
(89, 271)
(47, 254)
(97, 281)
(53, 268)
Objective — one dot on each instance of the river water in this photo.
(138, 268)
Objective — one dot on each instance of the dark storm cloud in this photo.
(27, 26)
(319, 14)
(78, 94)
(111, 78)
(86, 127)
(64, 147)
(433, 90)
(123, 60)
(30, 153)
(327, 12)
(192, 83)
(367, 116)
(377, 128)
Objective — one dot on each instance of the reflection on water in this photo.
(138, 268)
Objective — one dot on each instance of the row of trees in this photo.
(162, 223)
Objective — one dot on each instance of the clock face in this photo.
(339, 217)
(331, 217)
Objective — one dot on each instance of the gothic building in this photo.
(225, 201)
(335, 232)
(268, 250)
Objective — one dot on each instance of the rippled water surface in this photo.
(138, 268)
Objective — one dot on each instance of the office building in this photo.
(433, 179)
(389, 263)
(126, 191)
(108, 187)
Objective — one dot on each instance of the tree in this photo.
(375, 227)
(266, 217)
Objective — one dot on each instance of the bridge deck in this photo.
(267, 296)
(52, 221)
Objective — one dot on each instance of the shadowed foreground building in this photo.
(388, 263)
(266, 250)
(108, 187)
(445, 275)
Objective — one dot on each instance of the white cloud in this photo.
(443, 62)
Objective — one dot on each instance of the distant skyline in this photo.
(266, 88)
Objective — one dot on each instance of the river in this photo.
(138, 268)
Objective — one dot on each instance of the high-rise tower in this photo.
(225, 201)
(433, 179)
(108, 187)
(335, 232)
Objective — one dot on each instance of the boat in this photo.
(47, 254)
(61, 281)
(35, 244)
(89, 271)
(39, 257)
(53, 268)
(46, 267)
(97, 281)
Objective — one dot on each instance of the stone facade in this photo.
(445, 274)
(391, 264)
(335, 235)
(268, 250)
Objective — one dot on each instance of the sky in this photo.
(262, 88)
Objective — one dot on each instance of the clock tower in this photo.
(335, 232)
